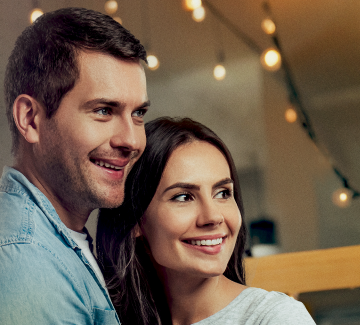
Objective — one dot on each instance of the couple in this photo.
(172, 252)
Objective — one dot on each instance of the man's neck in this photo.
(73, 217)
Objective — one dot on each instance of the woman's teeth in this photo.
(208, 242)
(102, 164)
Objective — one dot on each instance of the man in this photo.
(76, 95)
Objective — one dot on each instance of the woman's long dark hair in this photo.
(133, 284)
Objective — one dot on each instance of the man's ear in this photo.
(27, 113)
(137, 231)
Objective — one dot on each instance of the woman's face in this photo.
(193, 221)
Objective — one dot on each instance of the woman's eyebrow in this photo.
(183, 185)
(224, 181)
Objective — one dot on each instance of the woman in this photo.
(172, 253)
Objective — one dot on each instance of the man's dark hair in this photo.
(43, 63)
(133, 283)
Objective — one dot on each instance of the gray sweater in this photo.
(255, 306)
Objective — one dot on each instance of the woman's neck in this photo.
(192, 299)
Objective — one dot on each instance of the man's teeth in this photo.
(102, 164)
(209, 242)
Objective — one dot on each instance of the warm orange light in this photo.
(191, 5)
(111, 7)
(199, 14)
(153, 62)
(271, 59)
(118, 19)
(342, 197)
(268, 26)
(219, 72)
(35, 14)
(290, 115)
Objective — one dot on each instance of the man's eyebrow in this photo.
(112, 103)
(183, 185)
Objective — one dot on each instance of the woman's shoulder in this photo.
(257, 306)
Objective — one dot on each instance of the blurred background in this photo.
(290, 117)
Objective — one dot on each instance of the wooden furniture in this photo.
(295, 273)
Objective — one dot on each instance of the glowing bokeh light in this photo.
(219, 72)
(111, 7)
(118, 19)
(290, 115)
(342, 197)
(191, 5)
(271, 59)
(153, 62)
(268, 26)
(35, 14)
(199, 14)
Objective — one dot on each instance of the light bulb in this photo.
(118, 19)
(290, 115)
(153, 62)
(219, 72)
(199, 14)
(35, 14)
(111, 6)
(271, 59)
(268, 26)
(342, 197)
(190, 5)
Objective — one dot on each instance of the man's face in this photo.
(87, 148)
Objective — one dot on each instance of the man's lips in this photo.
(111, 164)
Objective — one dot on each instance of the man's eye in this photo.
(225, 194)
(103, 111)
(139, 113)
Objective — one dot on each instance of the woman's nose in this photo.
(210, 214)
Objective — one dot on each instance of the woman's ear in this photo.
(27, 113)
(137, 231)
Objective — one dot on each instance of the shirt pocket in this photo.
(105, 316)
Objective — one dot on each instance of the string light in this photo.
(198, 14)
(111, 7)
(271, 59)
(35, 14)
(342, 197)
(153, 62)
(290, 114)
(191, 5)
(219, 72)
(118, 19)
(268, 26)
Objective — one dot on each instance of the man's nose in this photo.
(127, 135)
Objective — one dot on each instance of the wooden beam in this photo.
(294, 273)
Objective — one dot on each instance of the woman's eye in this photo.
(182, 197)
(103, 111)
(224, 194)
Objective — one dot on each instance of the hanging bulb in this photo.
(35, 14)
(190, 5)
(268, 26)
(153, 62)
(290, 114)
(111, 7)
(198, 14)
(118, 19)
(342, 197)
(271, 59)
(219, 72)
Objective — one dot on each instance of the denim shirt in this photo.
(44, 276)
